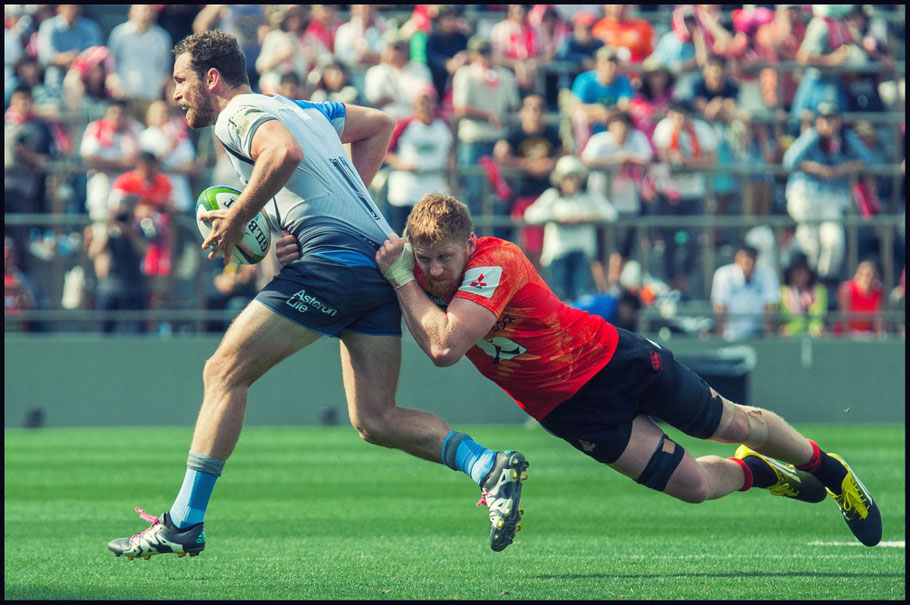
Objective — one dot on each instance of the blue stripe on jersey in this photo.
(332, 110)
(350, 258)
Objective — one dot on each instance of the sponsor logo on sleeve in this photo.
(481, 281)
(243, 119)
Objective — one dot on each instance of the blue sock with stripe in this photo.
(198, 483)
(461, 453)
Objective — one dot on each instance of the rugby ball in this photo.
(256, 240)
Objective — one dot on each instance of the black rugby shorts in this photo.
(641, 378)
(329, 291)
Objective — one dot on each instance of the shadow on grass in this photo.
(750, 574)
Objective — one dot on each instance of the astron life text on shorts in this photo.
(302, 302)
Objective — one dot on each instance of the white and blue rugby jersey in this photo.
(325, 189)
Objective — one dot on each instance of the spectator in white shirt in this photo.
(483, 96)
(60, 40)
(110, 147)
(420, 152)
(682, 141)
(171, 145)
(359, 41)
(282, 53)
(390, 86)
(142, 54)
(745, 295)
(569, 210)
(618, 157)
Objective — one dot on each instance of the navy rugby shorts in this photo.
(641, 378)
(335, 285)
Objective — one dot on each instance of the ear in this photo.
(212, 79)
(472, 244)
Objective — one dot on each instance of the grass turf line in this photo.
(315, 513)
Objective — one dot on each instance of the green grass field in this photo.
(315, 513)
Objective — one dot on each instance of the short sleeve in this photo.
(706, 137)
(237, 125)
(661, 135)
(638, 145)
(625, 90)
(89, 145)
(460, 81)
(815, 39)
(598, 147)
(720, 287)
(493, 277)
(333, 111)
(580, 87)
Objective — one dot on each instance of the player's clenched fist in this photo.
(287, 249)
(395, 260)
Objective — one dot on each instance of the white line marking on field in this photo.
(898, 544)
(745, 556)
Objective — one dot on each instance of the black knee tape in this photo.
(661, 466)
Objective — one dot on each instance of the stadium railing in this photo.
(888, 224)
(194, 316)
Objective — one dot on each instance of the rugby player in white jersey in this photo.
(290, 156)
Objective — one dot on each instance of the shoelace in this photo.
(783, 489)
(153, 520)
(483, 499)
(848, 505)
(783, 486)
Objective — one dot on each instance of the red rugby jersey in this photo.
(540, 351)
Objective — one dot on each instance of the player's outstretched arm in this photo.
(368, 131)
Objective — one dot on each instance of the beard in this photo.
(444, 289)
(203, 114)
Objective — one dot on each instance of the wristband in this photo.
(402, 270)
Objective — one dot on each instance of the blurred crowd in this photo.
(565, 117)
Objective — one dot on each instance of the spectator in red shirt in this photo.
(780, 40)
(616, 29)
(864, 295)
(651, 100)
(109, 148)
(116, 248)
(517, 45)
(319, 35)
(150, 191)
(552, 29)
(91, 82)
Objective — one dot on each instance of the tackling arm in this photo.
(445, 336)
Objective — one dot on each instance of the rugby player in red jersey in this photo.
(593, 384)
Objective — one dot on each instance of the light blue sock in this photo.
(461, 453)
(198, 483)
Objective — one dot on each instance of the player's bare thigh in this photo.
(370, 365)
(256, 341)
